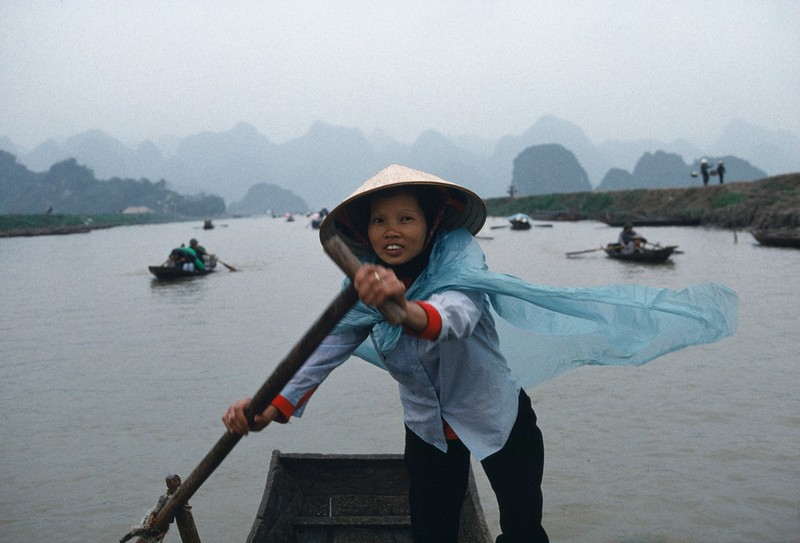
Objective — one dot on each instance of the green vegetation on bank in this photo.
(27, 225)
(773, 202)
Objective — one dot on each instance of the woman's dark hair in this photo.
(431, 200)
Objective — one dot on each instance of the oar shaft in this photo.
(278, 379)
(584, 252)
(302, 350)
(268, 391)
(609, 246)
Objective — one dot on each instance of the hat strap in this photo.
(459, 207)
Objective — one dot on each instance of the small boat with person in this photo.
(316, 498)
(520, 221)
(632, 247)
(183, 262)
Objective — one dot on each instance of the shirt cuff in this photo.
(434, 327)
(286, 408)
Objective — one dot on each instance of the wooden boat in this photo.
(520, 221)
(170, 272)
(316, 498)
(654, 255)
(777, 238)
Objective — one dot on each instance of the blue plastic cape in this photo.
(555, 328)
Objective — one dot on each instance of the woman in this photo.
(414, 234)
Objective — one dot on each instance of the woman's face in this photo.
(397, 228)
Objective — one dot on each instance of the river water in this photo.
(111, 380)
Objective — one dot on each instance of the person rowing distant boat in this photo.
(630, 240)
(201, 252)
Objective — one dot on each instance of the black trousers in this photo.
(438, 483)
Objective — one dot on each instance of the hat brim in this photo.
(464, 210)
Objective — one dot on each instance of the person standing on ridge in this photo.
(721, 172)
(704, 171)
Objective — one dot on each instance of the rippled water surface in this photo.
(111, 380)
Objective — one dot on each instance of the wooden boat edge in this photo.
(652, 256)
(165, 273)
(473, 519)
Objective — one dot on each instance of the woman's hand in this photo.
(376, 284)
(235, 420)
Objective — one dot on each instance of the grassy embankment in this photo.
(773, 202)
(44, 224)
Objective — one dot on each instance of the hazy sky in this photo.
(145, 69)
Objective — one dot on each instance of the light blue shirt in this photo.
(461, 376)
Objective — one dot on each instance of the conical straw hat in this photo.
(463, 208)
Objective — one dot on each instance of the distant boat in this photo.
(315, 498)
(777, 238)
(520, 221)
(655, 255)
(208, 225)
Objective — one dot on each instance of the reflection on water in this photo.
(111, 380)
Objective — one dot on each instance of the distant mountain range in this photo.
(329, 162)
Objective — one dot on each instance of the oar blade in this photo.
(573, 253)
(231, 268)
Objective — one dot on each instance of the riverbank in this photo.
(769, 203)
(59, 224)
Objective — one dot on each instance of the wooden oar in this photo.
(159, 522)
(500, 226)
(227, 265)
(586, 251)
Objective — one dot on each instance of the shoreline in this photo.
(60, 225)
(49, 231)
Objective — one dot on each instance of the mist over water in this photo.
(110, 381)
